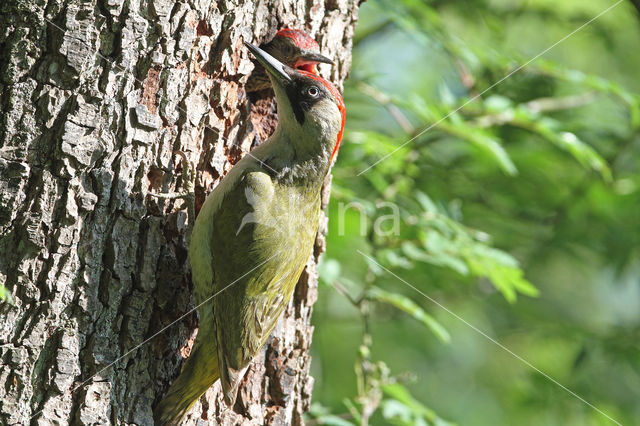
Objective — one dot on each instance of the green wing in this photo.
(262, 237)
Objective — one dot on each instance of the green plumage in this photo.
(251, 241)
(273, 226)
(257, 232)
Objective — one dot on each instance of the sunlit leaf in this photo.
(425, 202)
(569, 142)
(497, 103)
(393, 258)
(404, 409)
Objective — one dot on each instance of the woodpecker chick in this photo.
(254, 235)
(294, 48)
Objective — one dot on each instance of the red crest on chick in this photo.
(300, 38)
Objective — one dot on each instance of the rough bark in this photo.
(95, 97)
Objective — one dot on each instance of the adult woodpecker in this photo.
(254, 234)
(294, 48)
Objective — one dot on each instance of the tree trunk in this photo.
(95, 98)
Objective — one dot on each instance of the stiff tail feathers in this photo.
(198, 374)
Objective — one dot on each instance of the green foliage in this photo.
(451, 123)
(321, 415)
(405, 304)
(400, 408)
(447, 242)
(505, 181)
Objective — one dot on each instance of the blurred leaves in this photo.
(406, 305)
(497, 174)
(455, 126)
(527, 116)
(631, 100)
(400, 408)
(440, 240)
(322, 416)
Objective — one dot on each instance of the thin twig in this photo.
(536, 106)
(343, 291)
(388, 104)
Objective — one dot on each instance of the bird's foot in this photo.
(188, 194)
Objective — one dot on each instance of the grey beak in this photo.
(316, 57)
(272, 65)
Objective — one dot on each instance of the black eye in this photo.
(313, 91)
(287, 50)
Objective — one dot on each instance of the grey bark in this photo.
(95, 97)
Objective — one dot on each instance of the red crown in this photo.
(300, 38)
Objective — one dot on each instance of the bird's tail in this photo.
(198, 374)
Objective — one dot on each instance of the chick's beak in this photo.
(315, 57)
(276, 68)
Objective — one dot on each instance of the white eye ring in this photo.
(313, 91)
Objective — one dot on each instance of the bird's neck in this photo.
(293, 158)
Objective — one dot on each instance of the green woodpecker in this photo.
(254, 235)
(294, 48)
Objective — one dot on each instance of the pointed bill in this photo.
(272, 65)
(316, 57)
